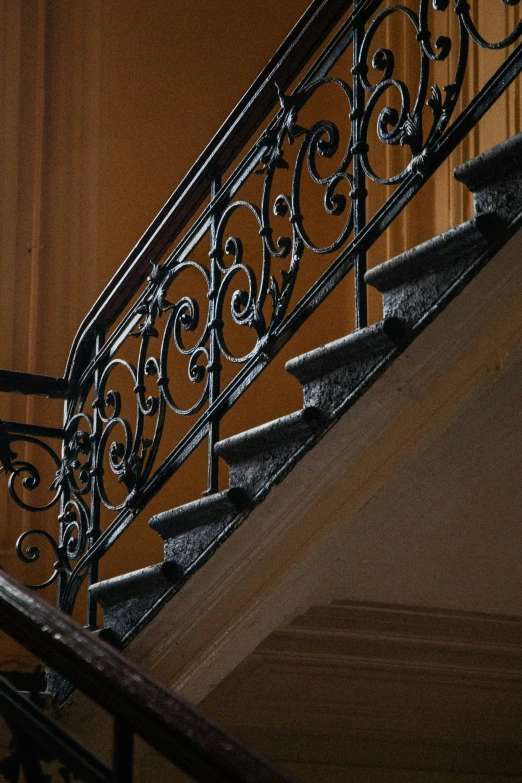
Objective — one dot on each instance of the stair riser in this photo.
(329, 375)
(411, 301)
(253, 475)
(332, 389)
(256, 457)
(503, 198)
(122, 618)
(184, 550)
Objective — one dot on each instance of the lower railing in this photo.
(40, 751)
(214, 311)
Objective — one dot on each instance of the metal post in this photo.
(61, 583)
(93, 531)
(123, 752)
(214, 366)
(359, 193)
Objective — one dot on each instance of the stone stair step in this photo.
(188, 530)
(127, 598)
(196, 514)
(257, 456)
(495, 179)
(413, 282)
(333, 372)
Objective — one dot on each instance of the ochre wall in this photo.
(103, 108)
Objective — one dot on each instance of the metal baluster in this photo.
(61, 583)
(123, 752)
(359, 193)
(95, 509)
(214, 367)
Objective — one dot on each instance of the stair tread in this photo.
(491, 166)
(199, 512)
(378, 338)
(426, 257)
(121, 588)
(268, 437)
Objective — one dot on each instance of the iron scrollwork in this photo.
(24, 475)
(119, 436)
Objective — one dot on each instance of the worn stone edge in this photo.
(110, 592)
(268, 437)
(491, 166)
(374, 339)
(196, 514)
(423, 259)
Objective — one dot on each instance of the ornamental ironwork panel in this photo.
(215, 312)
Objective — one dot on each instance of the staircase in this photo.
(297, 605)
(416, 287)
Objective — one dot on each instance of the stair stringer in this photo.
(284, 556)
(416, 287)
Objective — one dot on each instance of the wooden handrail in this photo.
(304, 39)
(167, 722)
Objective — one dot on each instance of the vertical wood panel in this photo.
(49, 140)
(36, 239)
(10, 92)
(10, 33)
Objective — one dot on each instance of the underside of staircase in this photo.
(416, 287)
(357, 691)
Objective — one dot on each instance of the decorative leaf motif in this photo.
(281, 296)
(274, 138)
(435, 102)
(273, 291)
(255, 318)
(80, 444)
(411, 134)
(155, 303)
(130, 468)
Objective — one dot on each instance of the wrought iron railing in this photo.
(137, 329)
(137, 704)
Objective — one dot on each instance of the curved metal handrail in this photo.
(245, 119)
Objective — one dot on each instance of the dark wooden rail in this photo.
(168, 723)
(301, 43)
(29, 383)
